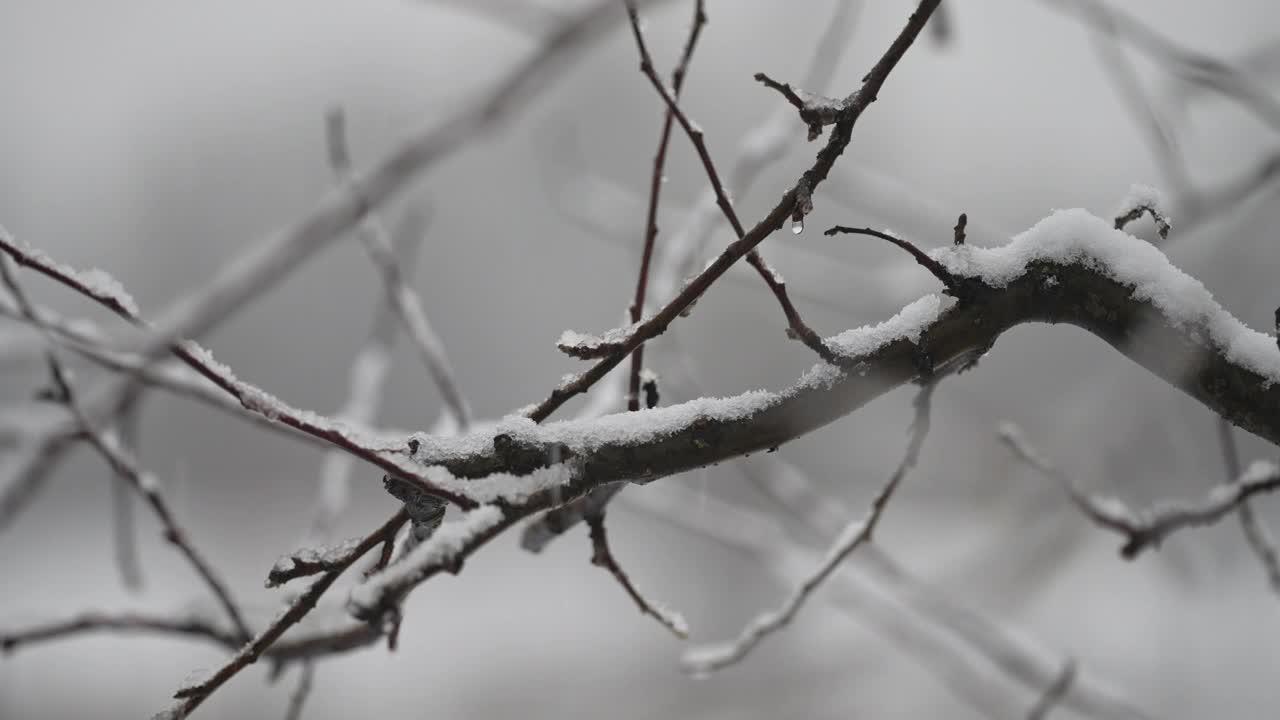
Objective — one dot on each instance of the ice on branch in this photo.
(1076, 237)
(442, 550)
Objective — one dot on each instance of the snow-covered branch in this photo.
(1071, 268)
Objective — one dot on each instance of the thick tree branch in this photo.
(1066, 278)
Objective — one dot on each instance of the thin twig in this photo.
(933, 266)
(708, 659)
(656, 182)
(809, 181)
(796, 326)
(602, 556)
(400, 296)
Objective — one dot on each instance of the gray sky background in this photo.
(156, 139)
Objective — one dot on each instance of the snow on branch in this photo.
(1144, 199)
(377, 595)
(1071, 267)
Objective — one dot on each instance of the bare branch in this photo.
(933, 266)
(797, 328)
(701, 661)
(655, 192)
(761, 146)
(602, 556)
(657, 323)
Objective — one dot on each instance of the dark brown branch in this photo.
(1046, 292)
(839, 140)
(933, 266)
(602, 556)
(765, 144)
(1163, 226)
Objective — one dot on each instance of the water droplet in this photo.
(797, 226)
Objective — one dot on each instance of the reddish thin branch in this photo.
(602, 556)
(808, 182)
(796, 326)
(655, 191)
(933, 266)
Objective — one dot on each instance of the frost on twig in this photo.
(707, 659)
(1144, 199)
(1147, 528)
